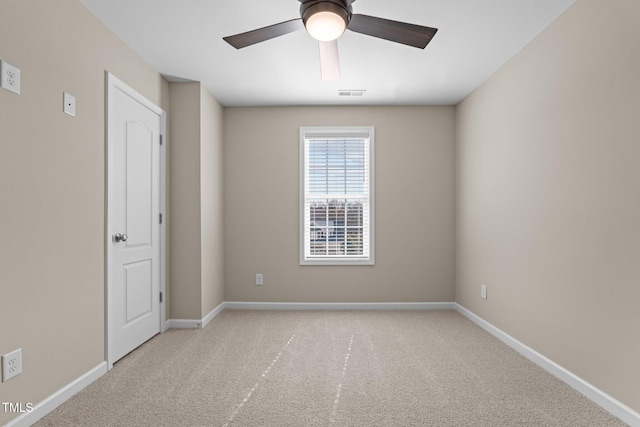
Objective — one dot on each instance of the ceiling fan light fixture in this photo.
(325, 21)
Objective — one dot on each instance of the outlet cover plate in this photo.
(11, 364)
(10, 77)
(483, 291)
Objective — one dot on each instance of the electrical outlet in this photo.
(11, 364)
(483, 291)
(10, 77)
(259, 279)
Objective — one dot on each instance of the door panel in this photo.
(139, 184)
(138, 291)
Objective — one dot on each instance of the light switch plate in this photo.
(69, 104)
(10, 77)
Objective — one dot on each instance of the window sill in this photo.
(336, 262)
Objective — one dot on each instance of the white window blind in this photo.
(336, 192)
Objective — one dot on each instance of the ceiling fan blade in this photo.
(262, 34)
(395, 31)
(329, 61)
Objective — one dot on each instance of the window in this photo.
(336, 195)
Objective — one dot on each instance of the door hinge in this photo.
(160, 218)
(160, 296)
(161, 139)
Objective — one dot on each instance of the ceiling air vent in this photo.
(351, 92)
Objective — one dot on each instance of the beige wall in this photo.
(196, 201)
(184, 151)
(52, 190)
(414, 192)
(211, 202)
(548, 173)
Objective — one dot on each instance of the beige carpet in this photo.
(267, 368)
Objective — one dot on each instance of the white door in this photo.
(133, 218)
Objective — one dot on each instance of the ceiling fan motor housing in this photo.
(341, 8)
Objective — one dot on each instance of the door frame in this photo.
(112, 83)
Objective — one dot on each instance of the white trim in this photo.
(194, 323)
(163, 226)
(50, 403)
(244, 305)
(366, 132)
(598, 396)
(184, 324)
(607, 402)
(212, 314)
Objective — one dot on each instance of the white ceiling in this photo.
(183, 40)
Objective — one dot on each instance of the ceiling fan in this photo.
(326, 20)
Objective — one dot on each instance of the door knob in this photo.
(119, 237)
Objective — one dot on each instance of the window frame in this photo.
(366, 132)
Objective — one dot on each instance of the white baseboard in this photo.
(194, 323)
(240, 305)
(58, 398)
(212, 314)
(598, 396)
(185, 324)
